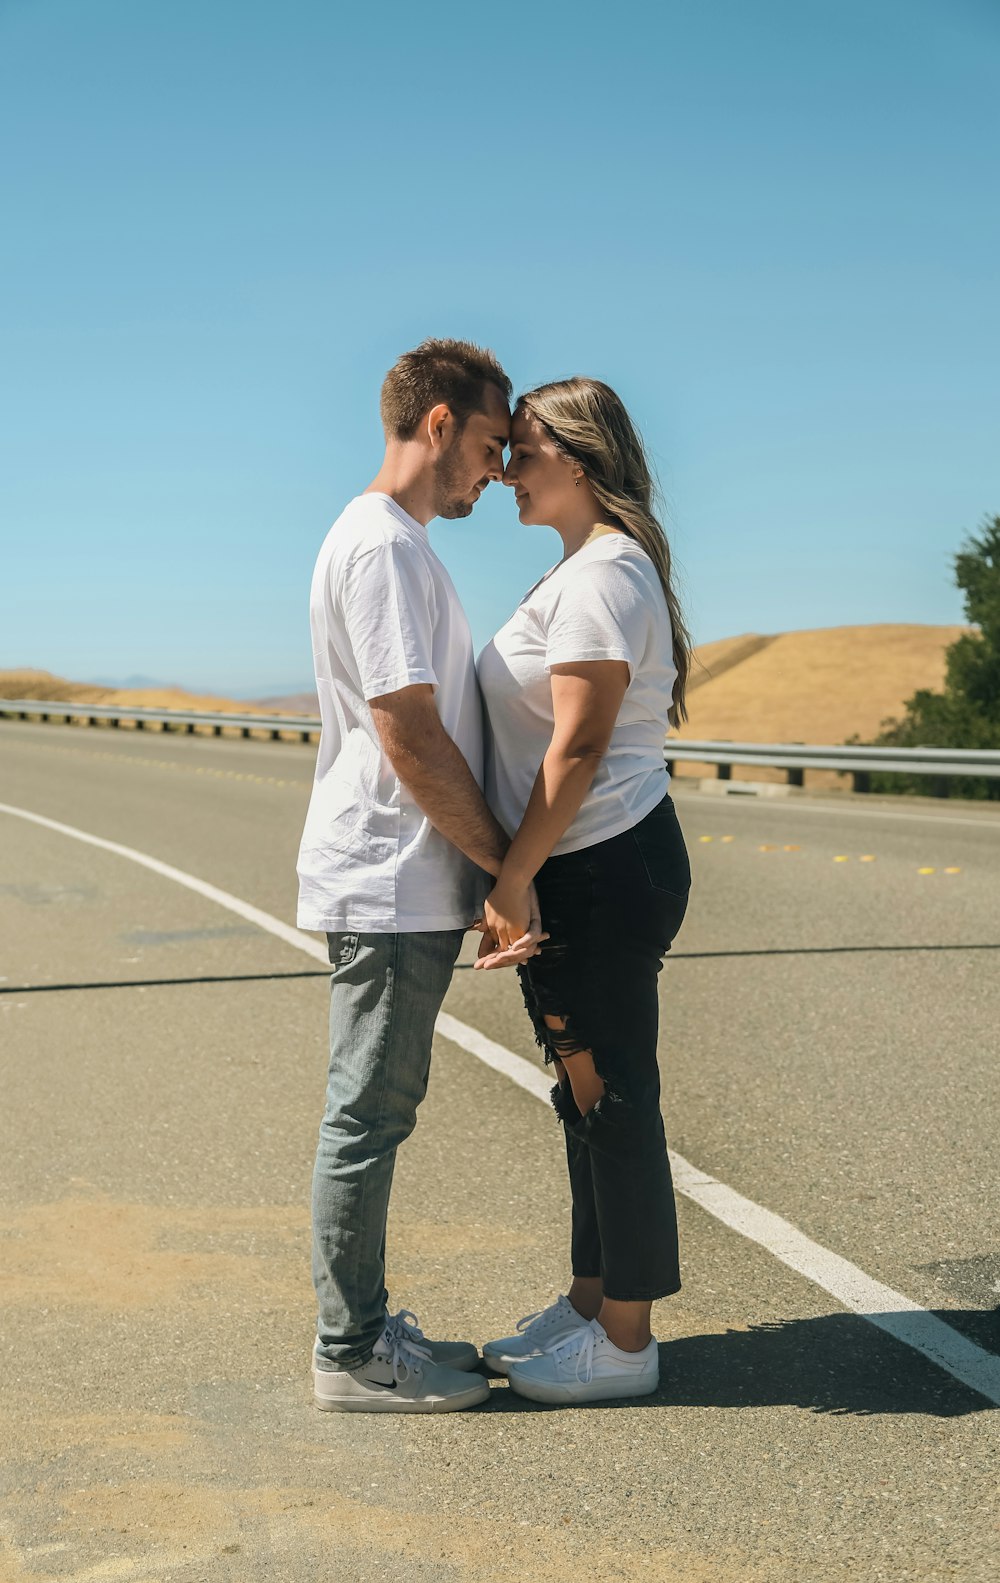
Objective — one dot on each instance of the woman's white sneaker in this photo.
(587, 1367)
(535, 1332)
(399, 1378)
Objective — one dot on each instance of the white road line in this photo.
(264, 920)
(520, 1071)
(880, 1305)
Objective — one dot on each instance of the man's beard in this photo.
(449, 501)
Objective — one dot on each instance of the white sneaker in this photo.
(399, 1378)
(535, 1332)
(587, 1367)
(453, 1354)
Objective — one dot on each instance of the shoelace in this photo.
(539, 1320)
(584, 1339)
(405, 1324)
(406, 1356)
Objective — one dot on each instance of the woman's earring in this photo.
(577, 481)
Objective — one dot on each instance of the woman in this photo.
(579, 688)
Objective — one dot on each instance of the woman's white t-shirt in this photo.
(604, 603)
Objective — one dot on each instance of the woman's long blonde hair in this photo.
(588, 423)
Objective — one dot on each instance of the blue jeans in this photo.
(385, 993)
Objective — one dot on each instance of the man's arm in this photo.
(436, 774)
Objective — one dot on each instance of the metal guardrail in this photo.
(274, 726)
(793, 757)
(860, 762)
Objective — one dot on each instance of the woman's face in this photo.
(542, 479)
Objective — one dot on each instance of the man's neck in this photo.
(403, 476)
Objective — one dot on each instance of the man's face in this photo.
(472, 458)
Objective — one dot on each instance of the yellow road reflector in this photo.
(705, 838)
(925, 871)
(793, 849)
(727, 838)
(842, 859)
(869, 857)
(768, 848)
(953, 871)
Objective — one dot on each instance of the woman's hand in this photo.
(524, 942)
(507, 912)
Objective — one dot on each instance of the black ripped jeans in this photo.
(612, 911)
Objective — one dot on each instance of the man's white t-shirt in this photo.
(604, 603)
(384, 615)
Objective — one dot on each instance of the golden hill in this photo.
(819, 686)
(42, 684)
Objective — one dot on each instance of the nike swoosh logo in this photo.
(383, 1386)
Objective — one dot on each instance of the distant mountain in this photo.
(303, 703)
(129, 683)
(299, 698)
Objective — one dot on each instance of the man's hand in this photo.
(517, 949)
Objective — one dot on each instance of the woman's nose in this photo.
(509, 476)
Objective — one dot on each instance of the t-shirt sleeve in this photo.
(600, 614)
(387, 605)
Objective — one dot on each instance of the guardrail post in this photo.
(217, 731)
(796, 777)
(245, 733)
(724, 772)
(862, 780)
(670, 767)
(941, 786)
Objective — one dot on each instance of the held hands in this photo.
(511, 926)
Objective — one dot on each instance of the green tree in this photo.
(967, 713)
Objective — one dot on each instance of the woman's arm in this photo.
(586, 698)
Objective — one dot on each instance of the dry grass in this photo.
(821, 686)
(43, 684)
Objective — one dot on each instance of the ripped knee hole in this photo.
(561, 1039)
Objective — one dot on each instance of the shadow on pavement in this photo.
(802, 950)
(838, 1363)
(822, 950)
(158, 983)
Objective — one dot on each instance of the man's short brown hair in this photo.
(454, 372)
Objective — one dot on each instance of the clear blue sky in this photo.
(772, 226)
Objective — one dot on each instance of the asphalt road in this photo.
(829, 1046)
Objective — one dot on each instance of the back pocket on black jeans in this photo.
(660, 844)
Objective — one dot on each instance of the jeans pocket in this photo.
(342, 949)
(660, 845)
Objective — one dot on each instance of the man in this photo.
(395, 842)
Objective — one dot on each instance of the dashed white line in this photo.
(880, 1305)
